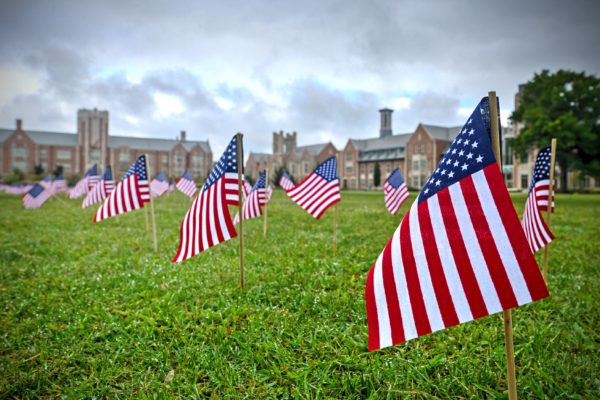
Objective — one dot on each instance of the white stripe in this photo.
(195, 225)
(480, 268)
(431, 305)
(133, 192)
(220, 211)
(211, 215)
(507, 253)
(203, 226)
(383, 317)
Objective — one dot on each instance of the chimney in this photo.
(386, 122)
(19, 124)
(183, 136)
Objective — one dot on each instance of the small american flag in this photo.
(208, 222)
(85, 184)
(186, 184)
(536, 230)
(252, 206)
(159, 185)
(458, 254)
(395, 192)
(46, 183)
(285, 182)
(130, 193)
(36, 196)
(101, 190)
(58, 185)
(269, 193)
(171, 186)
(319, 190)
(246, 188)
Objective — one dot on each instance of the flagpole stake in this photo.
(146, 218)
(266, 203)
(151, 209)
(550, 203)
(240, 164)
(508, 331)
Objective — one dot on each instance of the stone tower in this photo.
(92, 129)
(386, 122)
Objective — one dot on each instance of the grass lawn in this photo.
(89, 310)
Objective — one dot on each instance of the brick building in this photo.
(76, 152)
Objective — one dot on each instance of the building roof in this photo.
(260, 156)
(441, 132)
(45, 137)
(313, 149)
(381, 148)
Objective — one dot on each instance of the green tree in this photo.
(377, 175)
(38, 169)
(564, 105)
(59, 170)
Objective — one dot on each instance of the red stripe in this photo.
(212, 191)
(393, 305)
(529, 268)
(218, 204)
(228, 222)
(412, 279)
(372, 320)
(438, 277)
(488, 245)
(318, 216)
(461, 257)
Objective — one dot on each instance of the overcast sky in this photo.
(321, 68)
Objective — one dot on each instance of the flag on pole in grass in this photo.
(159, 185)
(458, 254)
(395, 191)
(101, 190)
(171, 186)
(36, 196)
(130, 194)
(252, 205)
(536, 230)
(186, 184)
(208, 222)
(319, 190)
(58, 185)
(85, 184)
(285, 182)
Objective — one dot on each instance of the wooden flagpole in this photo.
(151, 208)
(146, 217)
(335, 213)
(240, 166)
(266, 204)
(550, 202)
(508, 331)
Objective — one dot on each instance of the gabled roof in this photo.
(44, 137)
(313, 149)
(4, 134)
(260, 156)
(381, 148)
(153, 144)
(441, 132)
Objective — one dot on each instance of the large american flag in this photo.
(536, 230)
(85, 184)
(101, 190)
(130, 193)
(458, 254)
(319, 190)
(285, 182)
(208, 223)
(36, 196)
(252, 205)
(186, 184)
(159, 185)
(395, 191)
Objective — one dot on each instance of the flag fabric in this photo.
(58, 185)
(319, 190)
(15, 189)
(171, 186)
(186, 184)
(208, 222)
(285, 182)
(36, 196)
(536, 230)
(131, 193)
(246, 188)
(85, 184)
(101, 190)
(159, 185)
(395, 191)
(46, 183)
(458, 254)
(269, 193)
(252, 205)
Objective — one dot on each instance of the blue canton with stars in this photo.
(93, 171)
(261, 181)
(160, 177)
(327, 170)
(187, 175)
(36, 190)
(395, 179)
(470, 152)
(139, 168)
(541, 171)
(227, 163)
(107, 176)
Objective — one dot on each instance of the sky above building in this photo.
(321, 68)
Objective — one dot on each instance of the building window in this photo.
(349, 168)
(179, 159)
(306, 168)
(293, 168)
(19, 151)
(123, 156)
(524, 158)
(63, 154)
(349, 156)
(19, 164)
(524, 181)
(95, 155)
(197, 160)
(43, 152)
(419, 148)
(164, 158)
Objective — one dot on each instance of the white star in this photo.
(451, 174)
(464, 167)
(449, 161)
(469, 121)
(466, 142)
(443, 172)
(480, 158)
(472, 131)
(469, 156)
(455, 163)
(474, 145)
(453, 151)
(459, 140)
(461, 153)
(438, 183)
(426, 191)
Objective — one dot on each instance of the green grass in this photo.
(89, 310)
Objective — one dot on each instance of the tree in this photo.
(564, 105)
(59, 170)
(377, 175)
(38, 169)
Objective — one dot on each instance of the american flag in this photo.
(159, 185)
(269, 193)
(208, 223)
(246, 188)
(85, 184)
(36, 196)
(171, 186)
(458, 254)
(58, 185)
(130, 193)
(101, 190)
(536, 230)
(319, 190)
(15, 189)
(395, 192)
(285, 182)
(186, 184)
(46, 183)
(252, 205)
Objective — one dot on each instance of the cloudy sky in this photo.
(322, 68)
